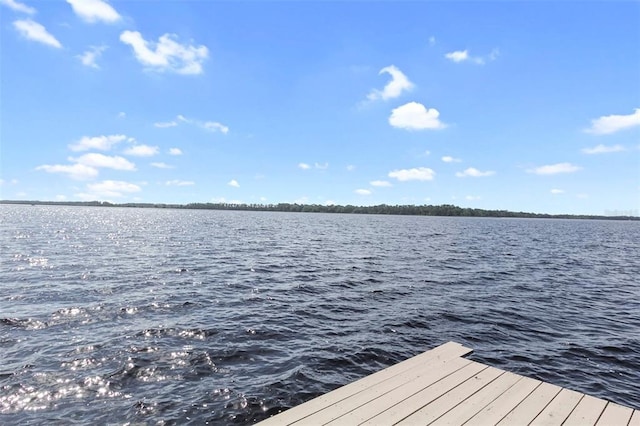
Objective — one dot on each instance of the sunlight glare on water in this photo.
(151, 315)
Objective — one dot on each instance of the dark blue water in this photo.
(112, 315)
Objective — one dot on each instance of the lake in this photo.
(159, 316)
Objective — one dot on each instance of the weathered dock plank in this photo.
(447, 401)
(424, 396)
(366, 407)
(558, 409)
(615, 414)
(439, 387)
(501, 406)
(466, 410)
(531, 406)
(444, 352)
(587, 412)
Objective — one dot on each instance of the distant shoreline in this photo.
(446, 210)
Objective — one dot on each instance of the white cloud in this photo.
(557, 191)
(167, 54)
(432, 41)
(420, 173)
(61, 197)
(102, 143)
(234, 183)
(122, 114)
(473, 198)
(74, 171)
(553, 169)
(212, 126)
(351, 168)
(473, 172)
(399, 83)
(165, 124)
(613, 123)
(463, 56)
(34, 31)
(112, 189)
(414, 116)
(320, 166)
(215, 127)
(161, 165)
(449, 159)
(18, 7)
(222, 200)
(89, 57)
(94, 10)
(94, 159)
(380, 183)
(362, 192)
(175, 151)
(177, 182)
(457, 56)
(142, 151)
(603, 149)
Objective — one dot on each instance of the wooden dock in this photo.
(440, 387)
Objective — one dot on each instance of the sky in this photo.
(522, 106)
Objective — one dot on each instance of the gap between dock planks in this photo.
(441, 387)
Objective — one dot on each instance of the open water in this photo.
(115, 316)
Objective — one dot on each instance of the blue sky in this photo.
(525, 106)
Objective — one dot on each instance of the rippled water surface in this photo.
(113, 315)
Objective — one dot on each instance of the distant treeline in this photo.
(424, 210)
